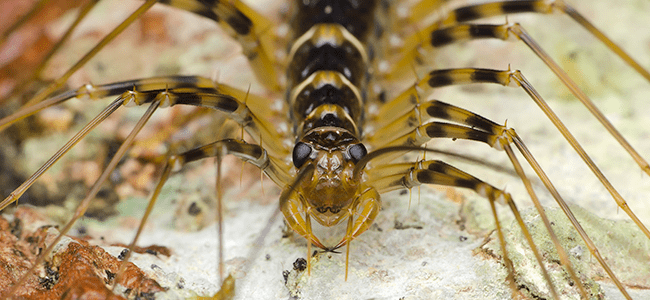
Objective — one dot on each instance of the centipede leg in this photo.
(499, 137)
(37, 73)
(437, 172)
(247, 152)
(252, 115)
(192, 95)
(246, 26)
(58, 83)
(452, 30)
(464, 76)
(91, 194)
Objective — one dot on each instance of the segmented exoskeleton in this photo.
(341, 149)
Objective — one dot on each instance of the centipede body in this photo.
(330, 273)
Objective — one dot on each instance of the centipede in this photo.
(324, 149)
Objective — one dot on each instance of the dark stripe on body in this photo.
(329, 49)
(343, 59)
(356, 16)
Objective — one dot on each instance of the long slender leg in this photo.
(448, 31)
(247, 152)
(180, 95)
(83, 206)
(480, 129)
(429, 36)
(36, 74)
(441, 78)
(58, 83)
(236, 16)
(190, 96)
(442, 37)
(185, 87)
(256, 103)
(254, 154)
(251, 29)
(438, 172)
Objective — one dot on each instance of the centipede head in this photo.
(330, 190)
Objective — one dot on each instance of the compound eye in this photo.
(301, 153)
(357, 152)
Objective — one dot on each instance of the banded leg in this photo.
(190, 96)
(191, 90)
(251, 153)
(237, 16)
(83, 205)
(450, 31)
(441, 78)
(430, 36)
(443, 37)
(408, 175)
(499, 137)
(251, 29)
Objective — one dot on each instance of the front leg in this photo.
(362, 213)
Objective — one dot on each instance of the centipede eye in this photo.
(357, 152)
(301, 153)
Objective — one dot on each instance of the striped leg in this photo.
(444, 31)
(409, 175)
(83, 206)
(477, 128)
(456, 33)
(451, 30)
(248, 27)
(187, 91)
(251, 29)
(448, 77)
(190, 90)
(251, 153)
